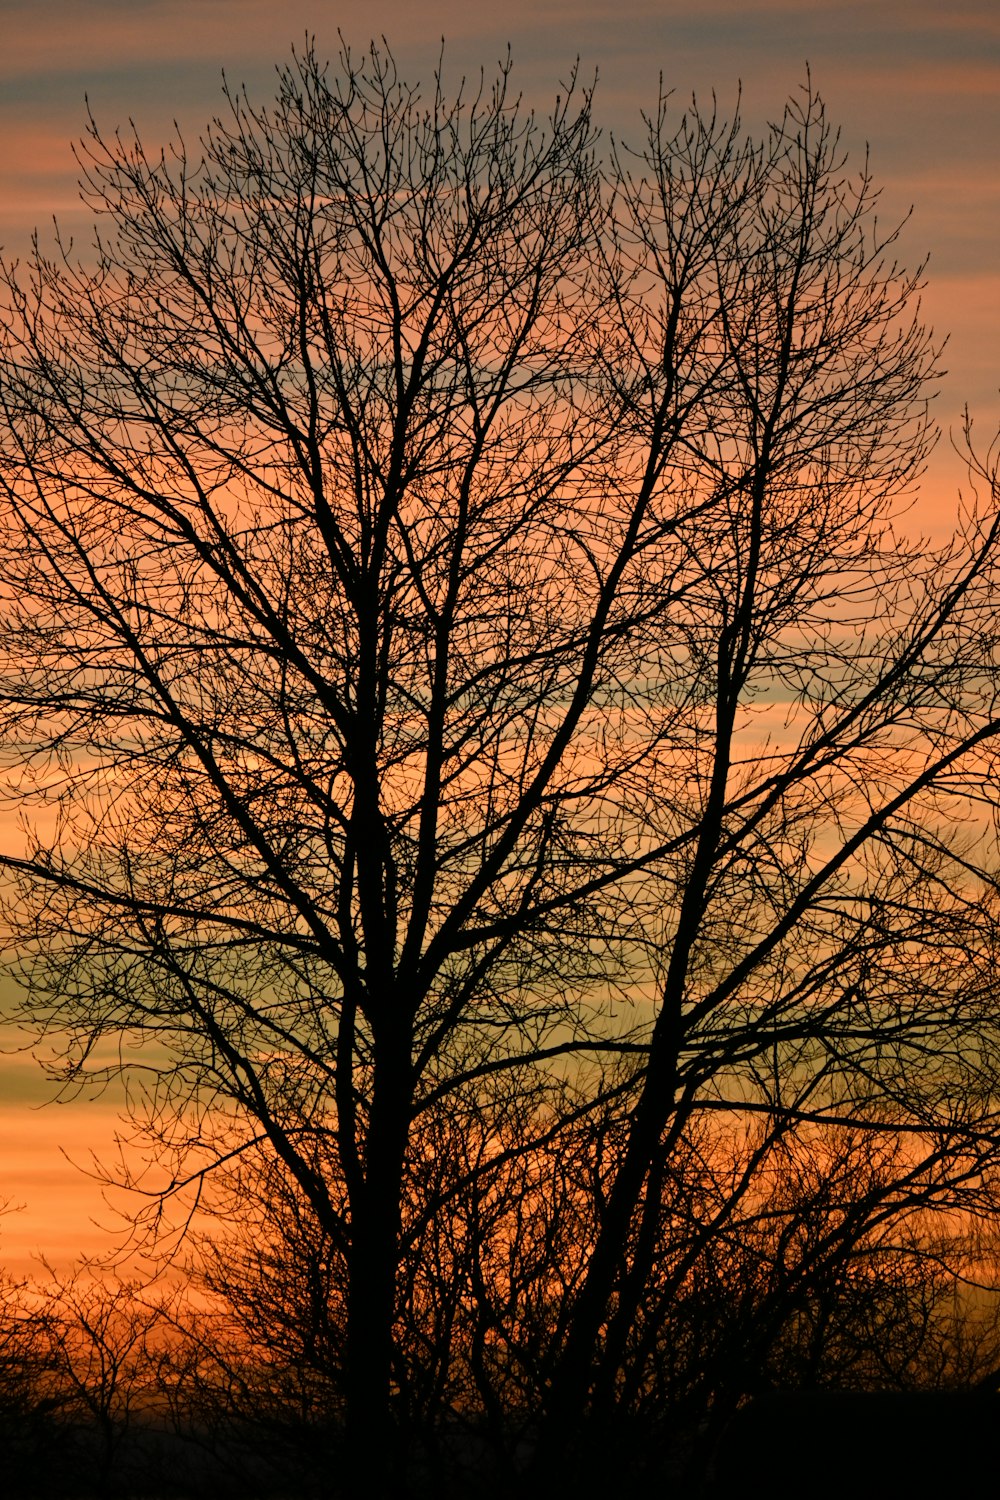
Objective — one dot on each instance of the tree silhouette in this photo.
(454, 631)
(105, 1355)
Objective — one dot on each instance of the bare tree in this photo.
(106, 1344)
(26, 1407)
(451, 608)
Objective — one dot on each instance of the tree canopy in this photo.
(491, 752)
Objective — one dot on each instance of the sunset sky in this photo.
(916, 80)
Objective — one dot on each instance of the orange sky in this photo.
(920, 81)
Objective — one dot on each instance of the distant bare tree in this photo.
(22, 1365)
(106, 1342)
(453, 632)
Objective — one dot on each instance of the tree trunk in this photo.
(574, 1372)
(371, 1437)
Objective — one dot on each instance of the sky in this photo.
(915, 80)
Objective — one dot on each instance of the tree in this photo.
(451, 607)
(26, 1407)
(106, 1345)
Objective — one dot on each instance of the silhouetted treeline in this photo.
(232, 1380)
